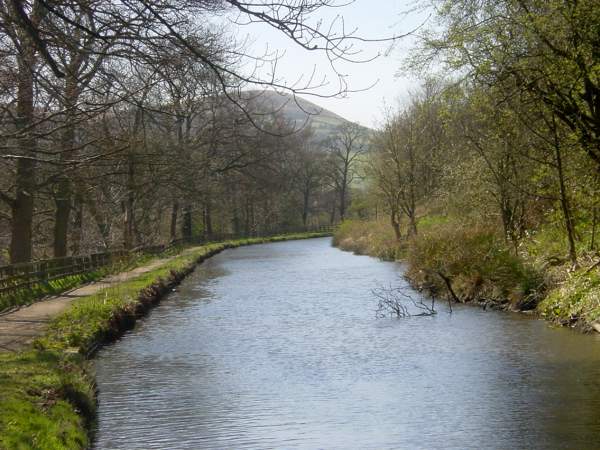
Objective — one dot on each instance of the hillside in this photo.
(300, 112)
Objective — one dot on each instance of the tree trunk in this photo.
(63, 188)
(187, 219)
(61, 217)
(129, 203)
(395, 226)
(343, 202)
(305, 207)
(247, 228)
(594, 226)
(564, 200)
(332, 214)
(208, 219)
(103, 227)
(63, 193)
(22, 207)
(129, 213)
(413, 224)
(77, 225)
(173, 228)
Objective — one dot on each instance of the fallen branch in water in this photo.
(448, 283)
(394, 302)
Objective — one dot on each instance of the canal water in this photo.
(277, 346)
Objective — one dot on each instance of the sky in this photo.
(372, 19)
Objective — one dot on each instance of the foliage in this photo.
(477, 261)
(112, 140)
(501, 185)
(545, 50)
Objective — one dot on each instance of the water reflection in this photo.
(277, 346)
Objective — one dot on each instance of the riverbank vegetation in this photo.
(486, 179)
(47, 394)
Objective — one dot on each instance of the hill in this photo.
(300, 112)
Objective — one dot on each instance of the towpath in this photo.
(18, 328)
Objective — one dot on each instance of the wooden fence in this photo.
(16, 278)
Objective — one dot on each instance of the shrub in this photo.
(477, 261)
(375, 238)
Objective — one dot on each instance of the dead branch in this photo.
(395, 302)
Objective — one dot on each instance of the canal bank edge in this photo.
(47, 392)
(479, 270)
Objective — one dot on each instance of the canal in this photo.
(277, 346)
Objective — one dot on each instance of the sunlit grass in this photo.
(576, 301)
(46, 398)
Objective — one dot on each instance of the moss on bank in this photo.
(47, 393)
(481, 267)
(46, 400)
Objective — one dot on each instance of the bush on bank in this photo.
(477, 262)
(47, 393)
(373, 238)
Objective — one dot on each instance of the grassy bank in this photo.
(372, 238)
(475, 264)
(47, 393)
(575, 302)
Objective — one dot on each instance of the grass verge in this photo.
(374, 238)
(54, 287)
(47, 393)
(575, 301)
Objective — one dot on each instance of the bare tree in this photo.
(345, 148)
(309, 177)
(74, 66)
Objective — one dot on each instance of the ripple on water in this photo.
(277, 346)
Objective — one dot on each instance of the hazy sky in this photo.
(374, 19)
